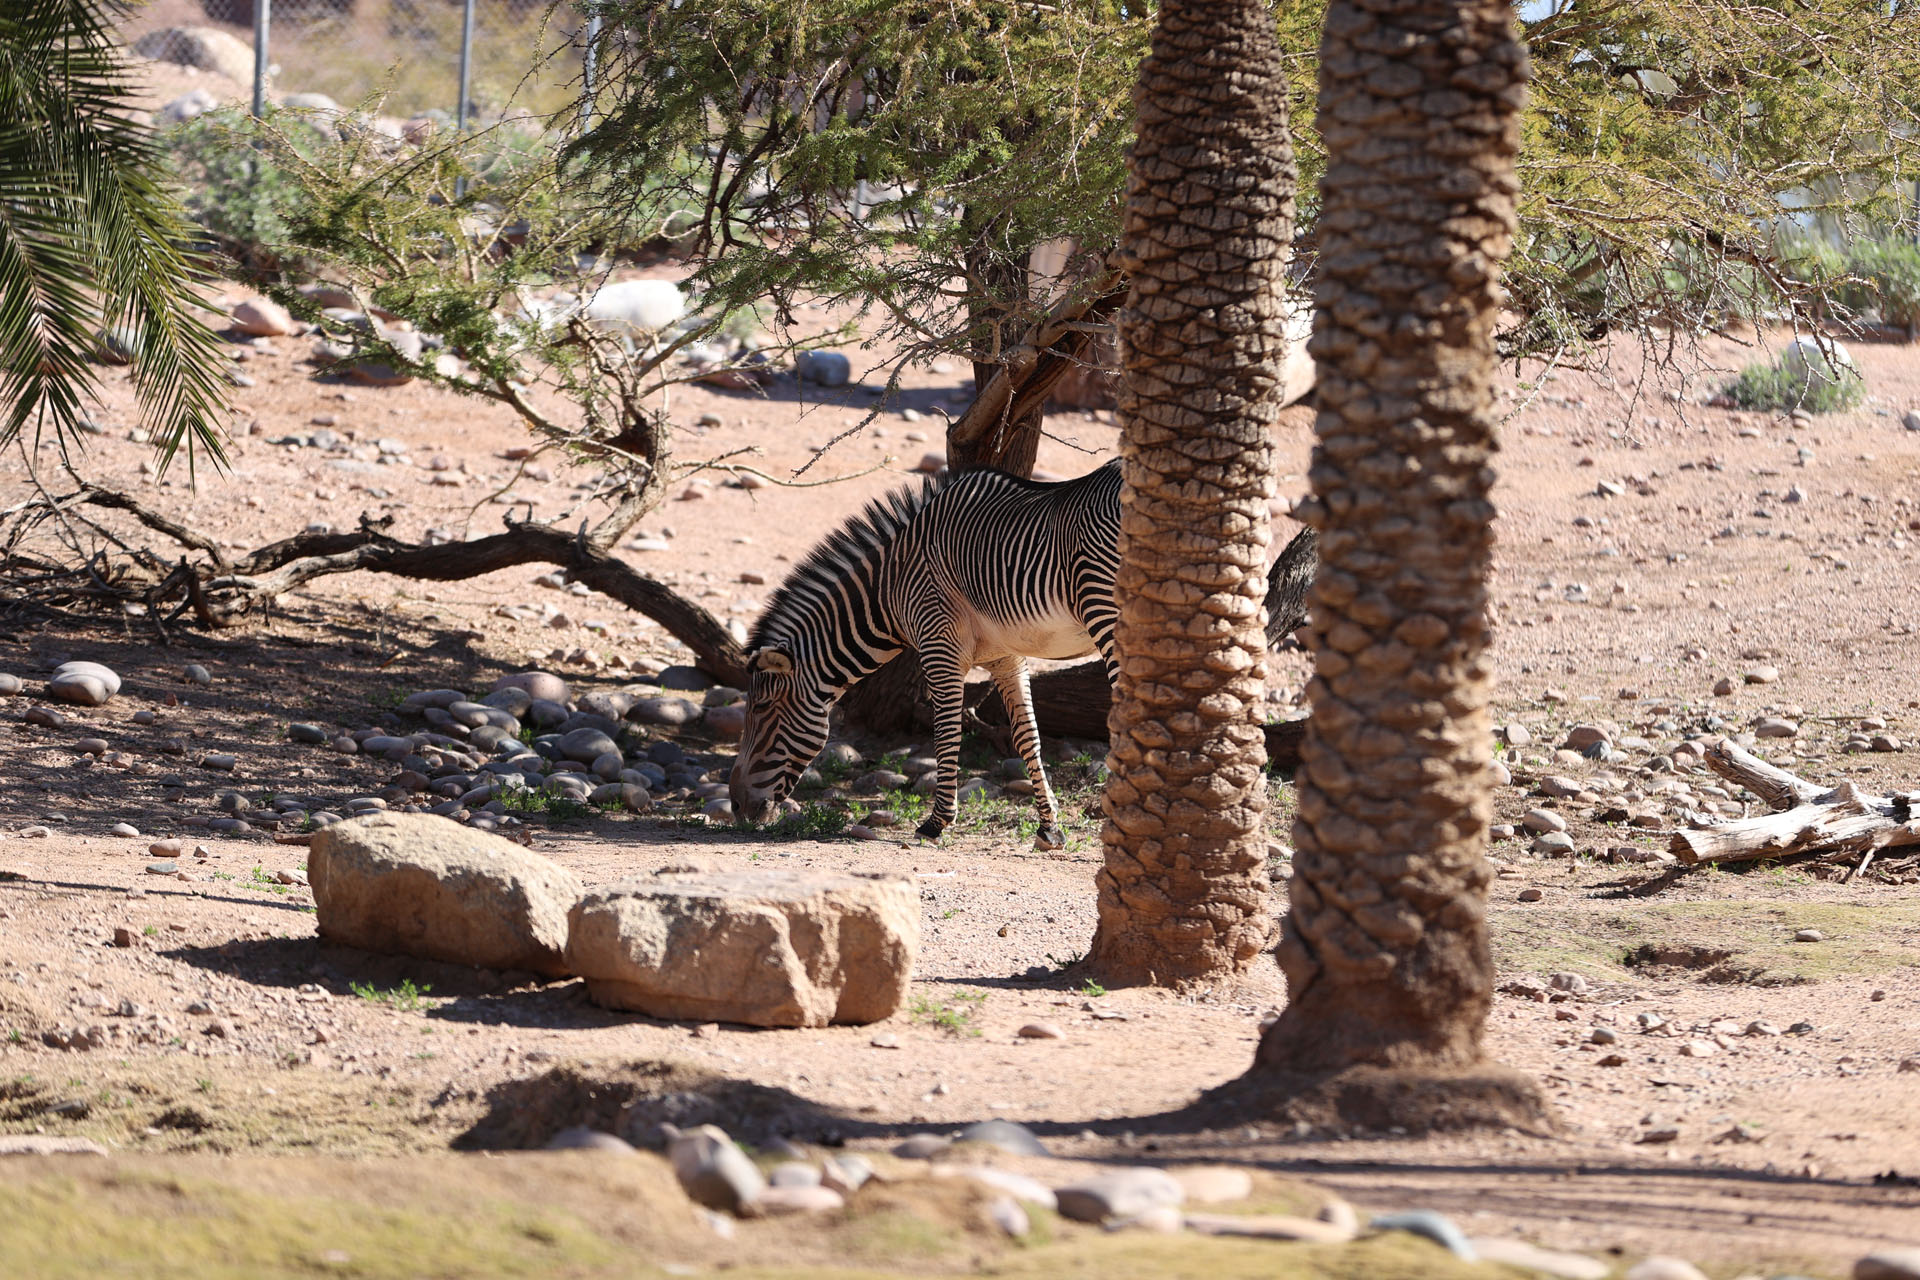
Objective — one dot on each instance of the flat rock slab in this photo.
(419, 885)
(29, 1144)
(761, 948)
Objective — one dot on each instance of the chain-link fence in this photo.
(396, 59)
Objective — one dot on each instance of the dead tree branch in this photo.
(1837, 823)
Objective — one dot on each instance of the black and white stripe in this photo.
(985, 570)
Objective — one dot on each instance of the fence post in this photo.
(262, 15)
(466, 65)
(589, 65)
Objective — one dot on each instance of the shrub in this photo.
(1798, 381)
(1890, 274)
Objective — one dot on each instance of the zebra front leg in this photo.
(1010, 675)
(946, 689)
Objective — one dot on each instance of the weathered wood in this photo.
(1780, 789)
(1809, 819)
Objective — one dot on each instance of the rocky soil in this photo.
(1735, 1053)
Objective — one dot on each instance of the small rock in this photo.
(1542, 821)
(86, 684)
(713, 1171)
(1005, 1213)
(922, 1146)
(580, 1138)
(845, 1173)
(197, 674)
(1531, 1258)
(125, 830)
(1042, 1031)
(885, 1040)
(1663, 1268)
(1698, 1049)
(1214, 1184)
(163, 868)
(1809, 935)
(1762, 675)
(1530, 895)
(778, 1201)
(1429, 1225)
(1123, 1193)
(1894, 1263)
(826, 368)
(309, 733)
(1006, 1135)
(1554, 844)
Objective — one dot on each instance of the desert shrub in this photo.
(241, 195)
(1800, 379)
(1889, 275)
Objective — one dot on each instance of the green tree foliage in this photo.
(1669, 142)
(91, 239)
(1666, 142)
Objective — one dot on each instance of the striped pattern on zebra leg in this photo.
(1010, 674)
(946, 690)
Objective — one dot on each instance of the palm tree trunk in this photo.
(1183, 896)
(1385, 949)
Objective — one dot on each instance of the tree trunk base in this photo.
(1380, 1099)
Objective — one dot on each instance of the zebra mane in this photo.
(840, 553)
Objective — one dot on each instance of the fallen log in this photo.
(1837, 822)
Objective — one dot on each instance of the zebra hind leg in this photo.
(946, 690)
(1010, 675)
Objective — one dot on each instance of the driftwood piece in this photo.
(1842, 821)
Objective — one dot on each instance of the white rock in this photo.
(264, 318)
(1660, 1267)
(1123, 1193)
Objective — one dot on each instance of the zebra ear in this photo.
(768, 658)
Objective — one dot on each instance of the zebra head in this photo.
(786, 726)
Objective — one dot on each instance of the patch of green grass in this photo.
(813, 822)
(259, 879)
(1092, 990)
(387, 699)
(14, 1036)
(151, 931)
(539, 802)
(1754, 940)
(956, 1013)
(406, 997)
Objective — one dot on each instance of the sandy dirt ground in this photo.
(1727, 1093)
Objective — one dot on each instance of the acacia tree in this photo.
(1183, 895)
(1388, 966)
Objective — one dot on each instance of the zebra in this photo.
(983, 569)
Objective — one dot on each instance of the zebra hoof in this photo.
(930, 829)
(1049, 838)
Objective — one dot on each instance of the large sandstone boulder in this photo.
(205, 48)
(764, 948)
(420, 885)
